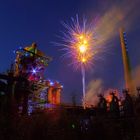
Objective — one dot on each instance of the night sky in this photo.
(25, 21)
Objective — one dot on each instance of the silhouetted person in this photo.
(102, 105)
(137, 102)
(128, 105)
(114, 106)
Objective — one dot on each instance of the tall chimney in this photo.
(126, 63)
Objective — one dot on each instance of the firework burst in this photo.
(78, 41)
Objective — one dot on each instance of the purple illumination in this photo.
(51, 83)
(34, 70)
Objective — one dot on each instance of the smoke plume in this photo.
(136, 76)
(117, 14)
(94, 88)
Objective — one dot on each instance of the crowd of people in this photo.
(118, 107)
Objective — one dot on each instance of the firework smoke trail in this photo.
(83, 82)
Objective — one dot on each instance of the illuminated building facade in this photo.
(31, 63)
(54, 92)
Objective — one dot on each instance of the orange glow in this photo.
(83, 60)
(82, 48)
(109, 98)
(54, 92)
(85, 41)
(81, 37)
